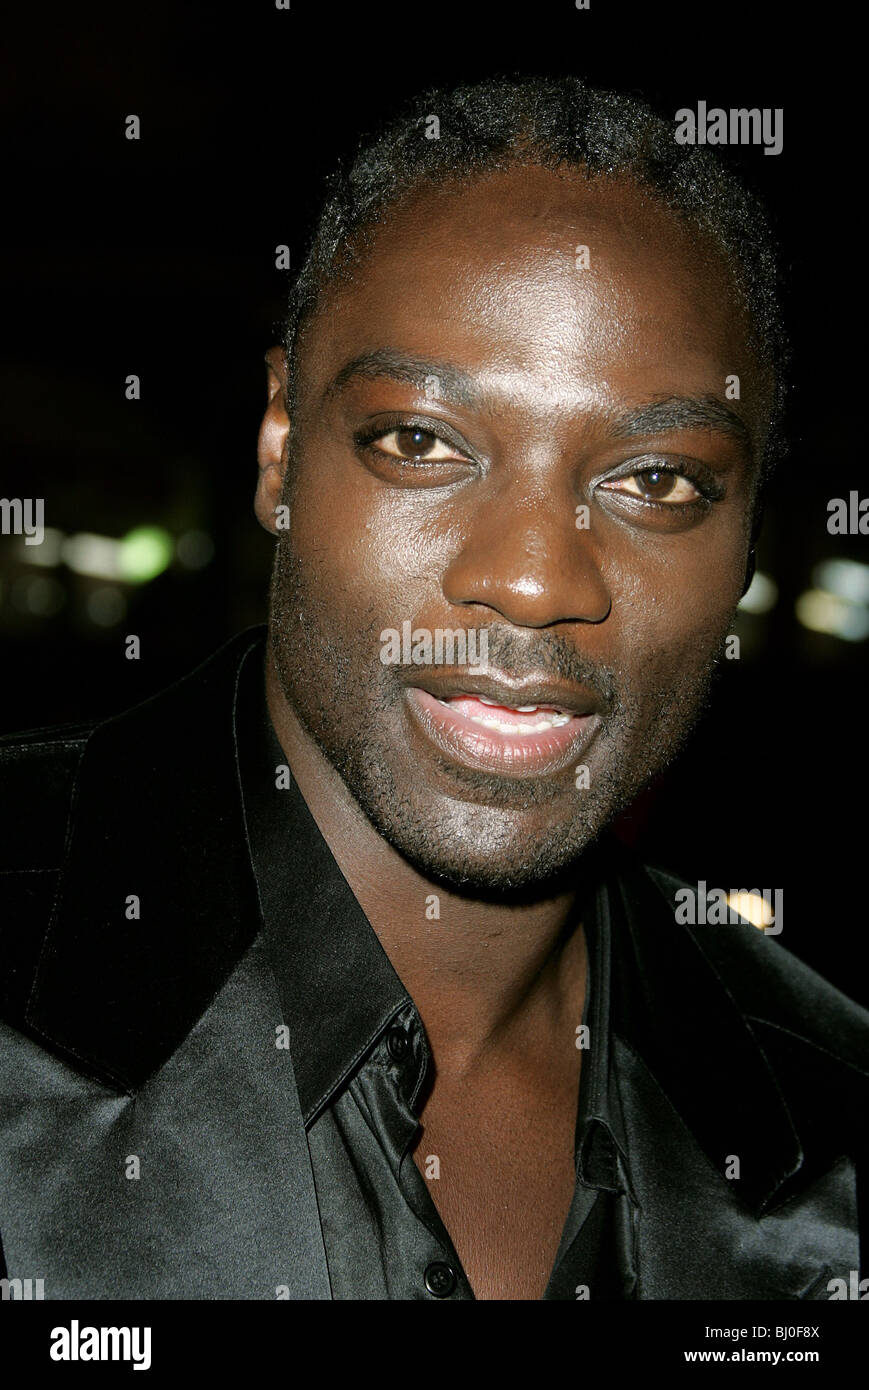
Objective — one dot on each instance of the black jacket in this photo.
(146, 1045)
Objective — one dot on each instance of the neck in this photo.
(486, 976)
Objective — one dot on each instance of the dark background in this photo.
(156, 257)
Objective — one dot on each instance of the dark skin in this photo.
(478, 530)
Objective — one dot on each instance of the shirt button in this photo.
(440, 1279)
(398, 1044)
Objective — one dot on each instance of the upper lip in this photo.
(509, 691)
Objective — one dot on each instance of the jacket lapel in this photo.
(161, 1034)
(198, 1186)
(697, 1093)
(157, 818)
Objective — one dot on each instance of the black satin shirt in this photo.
(361, 1057)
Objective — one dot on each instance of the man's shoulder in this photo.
(39, 767)
(104, 786)
(793, 1010)
(37, 776)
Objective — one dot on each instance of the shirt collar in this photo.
(601, 1146)
(338, 988)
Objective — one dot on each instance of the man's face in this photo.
(481, 379)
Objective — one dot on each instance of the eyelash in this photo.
(710, 488)
(366, 438)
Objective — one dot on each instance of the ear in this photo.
(271, 448)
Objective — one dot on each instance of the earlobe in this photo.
(271, 449)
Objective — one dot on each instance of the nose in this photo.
(525, 558)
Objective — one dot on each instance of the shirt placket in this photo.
(393, 1085)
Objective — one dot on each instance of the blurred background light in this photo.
(144, 553)
(194, 550)
(140, 556)
(92, 555)
(753, 907)
(822, 611)
(847, 579)
(761, 596)
(38, 595)
(48, 553)
(106, 606)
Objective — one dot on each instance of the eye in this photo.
(663, 485)
(412, 443)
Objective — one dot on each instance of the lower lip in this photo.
(511, 755)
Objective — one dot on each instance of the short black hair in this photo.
(552, 122)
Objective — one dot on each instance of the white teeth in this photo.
(555, 722)
(520, 709)
(552, 719)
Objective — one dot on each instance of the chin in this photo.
(515, 868)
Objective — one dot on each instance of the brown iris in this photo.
(655, 483)
(414, 443)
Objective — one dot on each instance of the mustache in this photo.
(526, 654)
(547, 654)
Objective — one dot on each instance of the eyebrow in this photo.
(457, 387)
(682, 413)
(453, 384)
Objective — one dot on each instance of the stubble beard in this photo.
(474, 840)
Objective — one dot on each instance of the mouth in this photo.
(513, 730)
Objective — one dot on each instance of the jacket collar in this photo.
(158, 815)
(672, 1008)
(156, 818)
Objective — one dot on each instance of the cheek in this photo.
(387, 547)
(674, 606)
(362, 554)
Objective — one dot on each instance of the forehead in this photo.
(547, 284)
